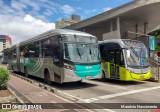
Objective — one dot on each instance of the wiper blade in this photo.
(79, 53)
(134, 52)
(90, 52)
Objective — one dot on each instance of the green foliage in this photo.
(157, 48)
(156, 34)
(4, 77)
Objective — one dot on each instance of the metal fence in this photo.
(155, 70)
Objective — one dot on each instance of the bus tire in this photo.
(47, 78)
(80, 81)
(26, 72)
(103, 75)
(13, 69)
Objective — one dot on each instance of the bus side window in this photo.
(111, 56)
(48, 48)
(14, 55)
(9, 55)
(51, 48)
(56, 49)
(122, 59)
(33, 50)
(104, 53)
(24, 51)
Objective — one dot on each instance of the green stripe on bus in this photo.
(87, 70)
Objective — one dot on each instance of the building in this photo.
(5, 42)
(67, 21)
(133, 20)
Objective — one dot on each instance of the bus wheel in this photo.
(12, 69)
(26, 72)
(79, 82)
(47, 78)
(103, 74)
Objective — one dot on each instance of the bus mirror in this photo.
(128, 53)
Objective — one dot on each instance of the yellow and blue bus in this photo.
(59, 55)
(124, 59)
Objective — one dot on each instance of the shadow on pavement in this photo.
(118, 82)
(64, 86)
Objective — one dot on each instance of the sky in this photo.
(23, 19)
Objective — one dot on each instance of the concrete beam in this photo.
(111, 13)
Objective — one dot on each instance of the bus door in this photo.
(114, 62)
(57, 58)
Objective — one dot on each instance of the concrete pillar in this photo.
(84, 29)
(111, 26)
(136, 30)
(118, 27)
(145, 32)
(145, 27)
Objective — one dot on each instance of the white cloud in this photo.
(90, 11)
(22, 28)
(17, 20)
(32, 3)
(48, 12)
(29, 18)
(106, 9)
(18, 5)
(67, 9)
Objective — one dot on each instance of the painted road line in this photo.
(120, 94)
(88, 110)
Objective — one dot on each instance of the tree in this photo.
(4, 77)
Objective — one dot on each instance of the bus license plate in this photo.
(88, 77)
(142, 77)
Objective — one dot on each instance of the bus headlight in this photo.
(131, 71)
(71, 67)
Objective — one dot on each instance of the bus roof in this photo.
(115, 40)
(54, 32)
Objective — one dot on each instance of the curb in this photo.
(45, 87)
(19, 96)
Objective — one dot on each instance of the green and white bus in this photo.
(124, 59)
(58, 55)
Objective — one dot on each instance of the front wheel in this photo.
(13, 69)
(80, 81)
(26, 72)
(103, 74)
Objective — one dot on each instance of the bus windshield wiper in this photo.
(135, 52)
(90, 52)
(79, 53)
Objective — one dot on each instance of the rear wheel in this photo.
(103, 74)
(47, 78)
(26, 72)
(12, 69)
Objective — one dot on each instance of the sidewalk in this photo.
(32, 94)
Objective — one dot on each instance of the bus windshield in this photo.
(82, 53)
(138, 54)
(138, 57)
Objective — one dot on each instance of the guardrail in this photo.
(155, 70)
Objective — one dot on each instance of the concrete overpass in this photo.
(139, 16)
